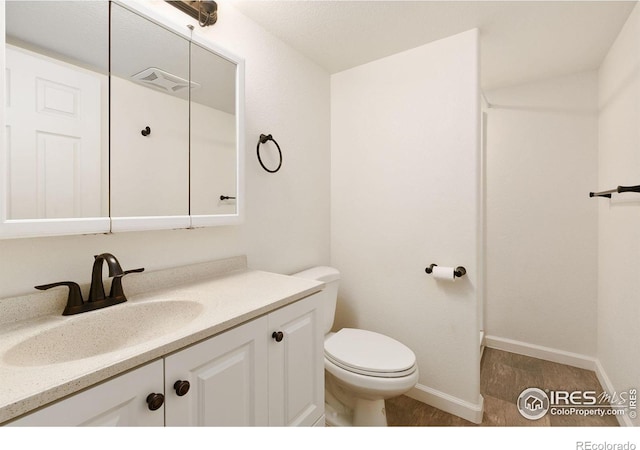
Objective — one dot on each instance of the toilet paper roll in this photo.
(443, 273)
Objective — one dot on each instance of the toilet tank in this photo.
(330, 277)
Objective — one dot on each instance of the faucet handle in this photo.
(74, 300)
(116, 284)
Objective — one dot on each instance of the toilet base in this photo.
(343, 409)
(369, 413)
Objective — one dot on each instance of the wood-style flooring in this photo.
(503, 376)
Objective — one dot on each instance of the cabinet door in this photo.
(296, 364)
(227, 376)
(117, 402)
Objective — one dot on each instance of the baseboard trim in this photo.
(538, 351)
(558, 356)
(473, 412)
(453, 405)
(605, 382)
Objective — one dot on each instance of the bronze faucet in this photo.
(97, 298)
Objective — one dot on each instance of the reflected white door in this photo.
(54, 146)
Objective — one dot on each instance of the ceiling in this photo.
(520, 41)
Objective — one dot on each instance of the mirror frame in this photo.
(94, 225)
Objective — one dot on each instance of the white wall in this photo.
(619, 218)
(287, 214)
(405, 166)
(541, 226)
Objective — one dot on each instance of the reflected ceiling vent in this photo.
(164, 81)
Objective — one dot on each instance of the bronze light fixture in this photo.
(204, 11)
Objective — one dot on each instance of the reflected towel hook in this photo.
(263, 139)
(146, 131)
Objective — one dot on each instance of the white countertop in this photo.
(229, 293)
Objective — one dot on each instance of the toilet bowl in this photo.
(362, 368)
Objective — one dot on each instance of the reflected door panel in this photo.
(53, 120)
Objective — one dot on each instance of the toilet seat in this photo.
(369, 353)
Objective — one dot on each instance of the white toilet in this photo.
(362, 368)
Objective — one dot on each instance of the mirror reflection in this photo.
(213, 133)
(57, 109)
(173, 123)
(149, 88)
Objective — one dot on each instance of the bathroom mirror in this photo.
(149, 91)
(54, 159)
(217, 135)
(175, 126)
(158, 145)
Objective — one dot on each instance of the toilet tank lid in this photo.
(320, 273)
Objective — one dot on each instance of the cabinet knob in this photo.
(278, 335)
(155, 401)
(181, 387)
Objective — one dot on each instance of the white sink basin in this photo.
(103, 331)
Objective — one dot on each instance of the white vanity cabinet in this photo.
(120, 401)
(227, 378)
(266, 372)
(296, 364)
